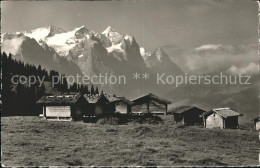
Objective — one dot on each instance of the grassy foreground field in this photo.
(30, 141)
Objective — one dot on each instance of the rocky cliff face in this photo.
(160, 62)
(28, 50)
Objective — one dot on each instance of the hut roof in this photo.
(183, 109)
(151, 96)
(256, 119)
(60, 100)
(122, 99)
(110, 98)
(93, 98)
(224, 112)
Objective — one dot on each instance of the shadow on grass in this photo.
(122, 119)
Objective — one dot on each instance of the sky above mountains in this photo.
(181, 27)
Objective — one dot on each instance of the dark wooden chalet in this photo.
(256, 123)
(187, 115)
(150, 103)
(66, 107)
(98, 104)
(221, 118)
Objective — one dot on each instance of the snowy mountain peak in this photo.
(108, 30)
(145, 54)
(81, 32)
(55, 30)
(40, 34)
(142, 51)
(80, 28)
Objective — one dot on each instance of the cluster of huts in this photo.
(78, 106)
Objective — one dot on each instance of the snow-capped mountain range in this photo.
(81, 44)
(84, 51)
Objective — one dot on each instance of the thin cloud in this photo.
(208, 47)
(211, 58)
(250, 69)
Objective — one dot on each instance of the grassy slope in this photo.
(31, 141)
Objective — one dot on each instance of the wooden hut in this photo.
(65, 107)
(187, 115)
(221, 118)
(111, 105)
(256, 123)
(150, 103)
(97, 104)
